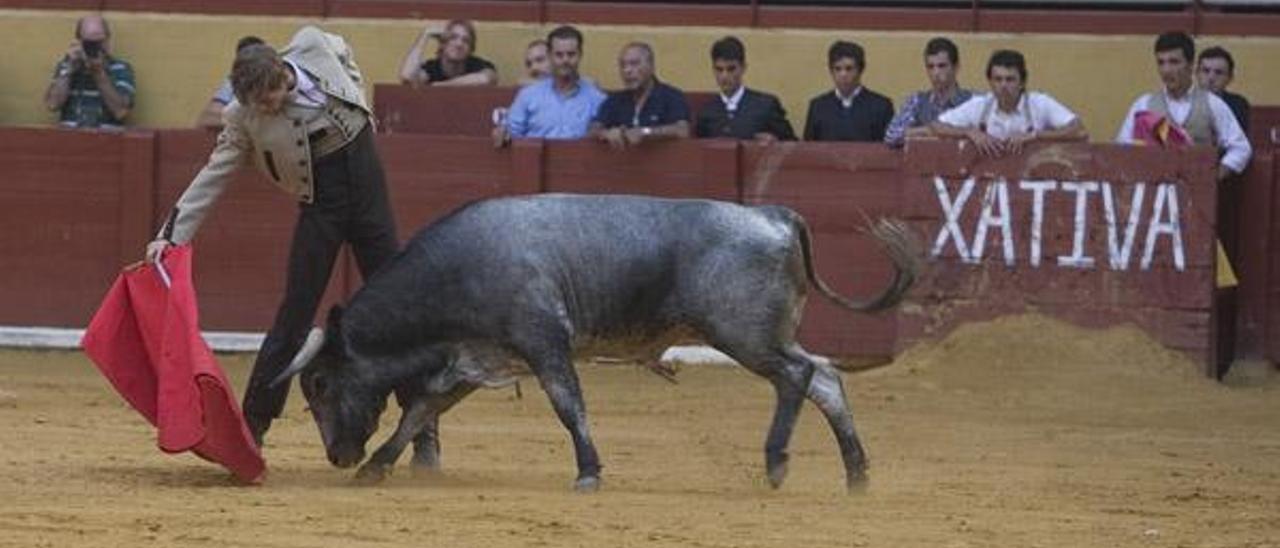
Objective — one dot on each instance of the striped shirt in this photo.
(921, 109)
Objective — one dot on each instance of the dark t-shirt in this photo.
(472, 65)
(665, 105)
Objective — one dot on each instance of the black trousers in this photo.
(350, 206)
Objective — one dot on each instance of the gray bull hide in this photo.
(536, 277)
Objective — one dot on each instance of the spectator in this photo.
(1216, 70)
(91, 88)
(1008, 118)
(302, 117)
(560, 107)
(454, 64)
(1204, 117)
(850, 112)
(211, 116)
(646, 109)
(536, 63)
(741, 113)
(941, 61)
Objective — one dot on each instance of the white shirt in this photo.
(1231, 137)
(1036, 112)
(731, 101)
(305, 92)
(847, 102)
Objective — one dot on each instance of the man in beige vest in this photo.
(1207, 120)
(301, 117)
(1203, 115)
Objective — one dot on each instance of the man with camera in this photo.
(90, 87)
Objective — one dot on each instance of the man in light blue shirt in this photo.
(559, 107)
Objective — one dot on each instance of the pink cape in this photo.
(1151, 128)
(145, 338)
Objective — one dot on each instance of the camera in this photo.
(92, 48)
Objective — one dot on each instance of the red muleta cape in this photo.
(145, 338)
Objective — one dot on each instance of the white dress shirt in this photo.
(731, 101)
(1230, 137)
(1035, 112)
(305, 92)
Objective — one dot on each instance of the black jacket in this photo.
(866, 119)
(757, 112)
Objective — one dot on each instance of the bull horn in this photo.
(311, 347)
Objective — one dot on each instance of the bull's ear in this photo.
(333, 331)
(311, 347)
(334, 319)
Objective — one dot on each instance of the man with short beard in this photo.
(646, 109)
(559, 107)
(301, 116)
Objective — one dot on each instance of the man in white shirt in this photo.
(1003, 121)
(1205, 117)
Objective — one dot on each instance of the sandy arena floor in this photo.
(1022, 432)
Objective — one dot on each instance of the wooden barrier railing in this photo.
(409, 109)
(1264, 127)
(469, 111)
(78, 205)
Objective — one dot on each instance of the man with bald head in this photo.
(646, 109)
(91, 88)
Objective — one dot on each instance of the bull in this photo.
(534, 278)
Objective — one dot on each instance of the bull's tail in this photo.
(895, 239)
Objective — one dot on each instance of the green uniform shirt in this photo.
(84, 106)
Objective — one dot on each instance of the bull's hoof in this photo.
(425, 463)
(857, 483)
(588, 484)
(372, 473)
(424, 470)
(777, 474)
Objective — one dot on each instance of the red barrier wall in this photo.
(833, 185)
(1272, 276)
(1164, 283)
(75, 207)
(1255, 201)
(75, 215)
(408, 109)
(1264, 127)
